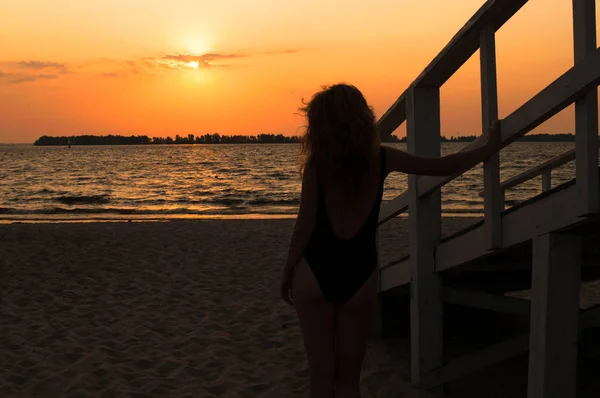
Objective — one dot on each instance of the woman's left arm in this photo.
(305, 222)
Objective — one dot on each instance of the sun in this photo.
(194, 64)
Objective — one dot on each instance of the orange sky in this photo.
(121, 66)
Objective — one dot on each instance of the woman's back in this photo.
(342, 250)
(348, 212)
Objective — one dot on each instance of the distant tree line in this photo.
(145, 140)
(246, 139)
(93, 140)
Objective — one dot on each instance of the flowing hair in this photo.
(340, 136)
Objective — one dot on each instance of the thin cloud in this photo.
(172, 62)
(18, 78)
(280, 52)
(201, 58)
(47, 76)
(40, 65)
(210, 60)
(31, 71)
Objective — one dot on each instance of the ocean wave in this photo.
(277, 176)
(463, 201)
(132, 212)
(272, 207)
(270, 202)
(475, 210)
(82, 199)
(45, 191)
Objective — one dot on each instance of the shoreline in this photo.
(160, 218)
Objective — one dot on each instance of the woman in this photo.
(330, 276)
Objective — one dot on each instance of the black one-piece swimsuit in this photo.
(342, 266)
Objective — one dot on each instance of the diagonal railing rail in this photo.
(544, 169)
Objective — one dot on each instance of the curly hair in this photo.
(341, 135)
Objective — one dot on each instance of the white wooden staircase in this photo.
(553, 238)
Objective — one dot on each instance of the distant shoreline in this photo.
(217, 139)
(166, 218)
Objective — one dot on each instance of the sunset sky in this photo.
(162, 68)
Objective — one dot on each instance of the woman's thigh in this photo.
(317, 319)
(354, 321)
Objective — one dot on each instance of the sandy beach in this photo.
(169, 309)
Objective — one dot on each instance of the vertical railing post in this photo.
(556, 277)
(426, 304)
(377, 329)
(546, 180)
(586, 112)
(493, 197)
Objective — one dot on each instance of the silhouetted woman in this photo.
(330, 276)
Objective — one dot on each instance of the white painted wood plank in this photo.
(460, 48)
(546, 180)
(393, 117)
(535, 171)
(495, 353)
(551, 100)
(517, 227)
(584, 28)
(424, 219)
(395, 275)
(586, 111)
(478, 360)
(493, 302)
(377, 329)
(466, 41)
(561, 205)
(554, 98)
(493, 197)
(460, 249)
(396, 206)
(556, 277)
(394, 262)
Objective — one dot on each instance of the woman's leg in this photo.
(317, 322)
(354, 323)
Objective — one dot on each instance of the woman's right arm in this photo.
(404, 162)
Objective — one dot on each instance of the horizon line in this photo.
(242, 135)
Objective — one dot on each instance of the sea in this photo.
(158, 182)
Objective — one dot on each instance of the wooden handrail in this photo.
(554, 98)
(466, 42)
(493, 13)
(454, 55)
(393, 117)
(547, 166)
(538, 170)
(547, 103)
